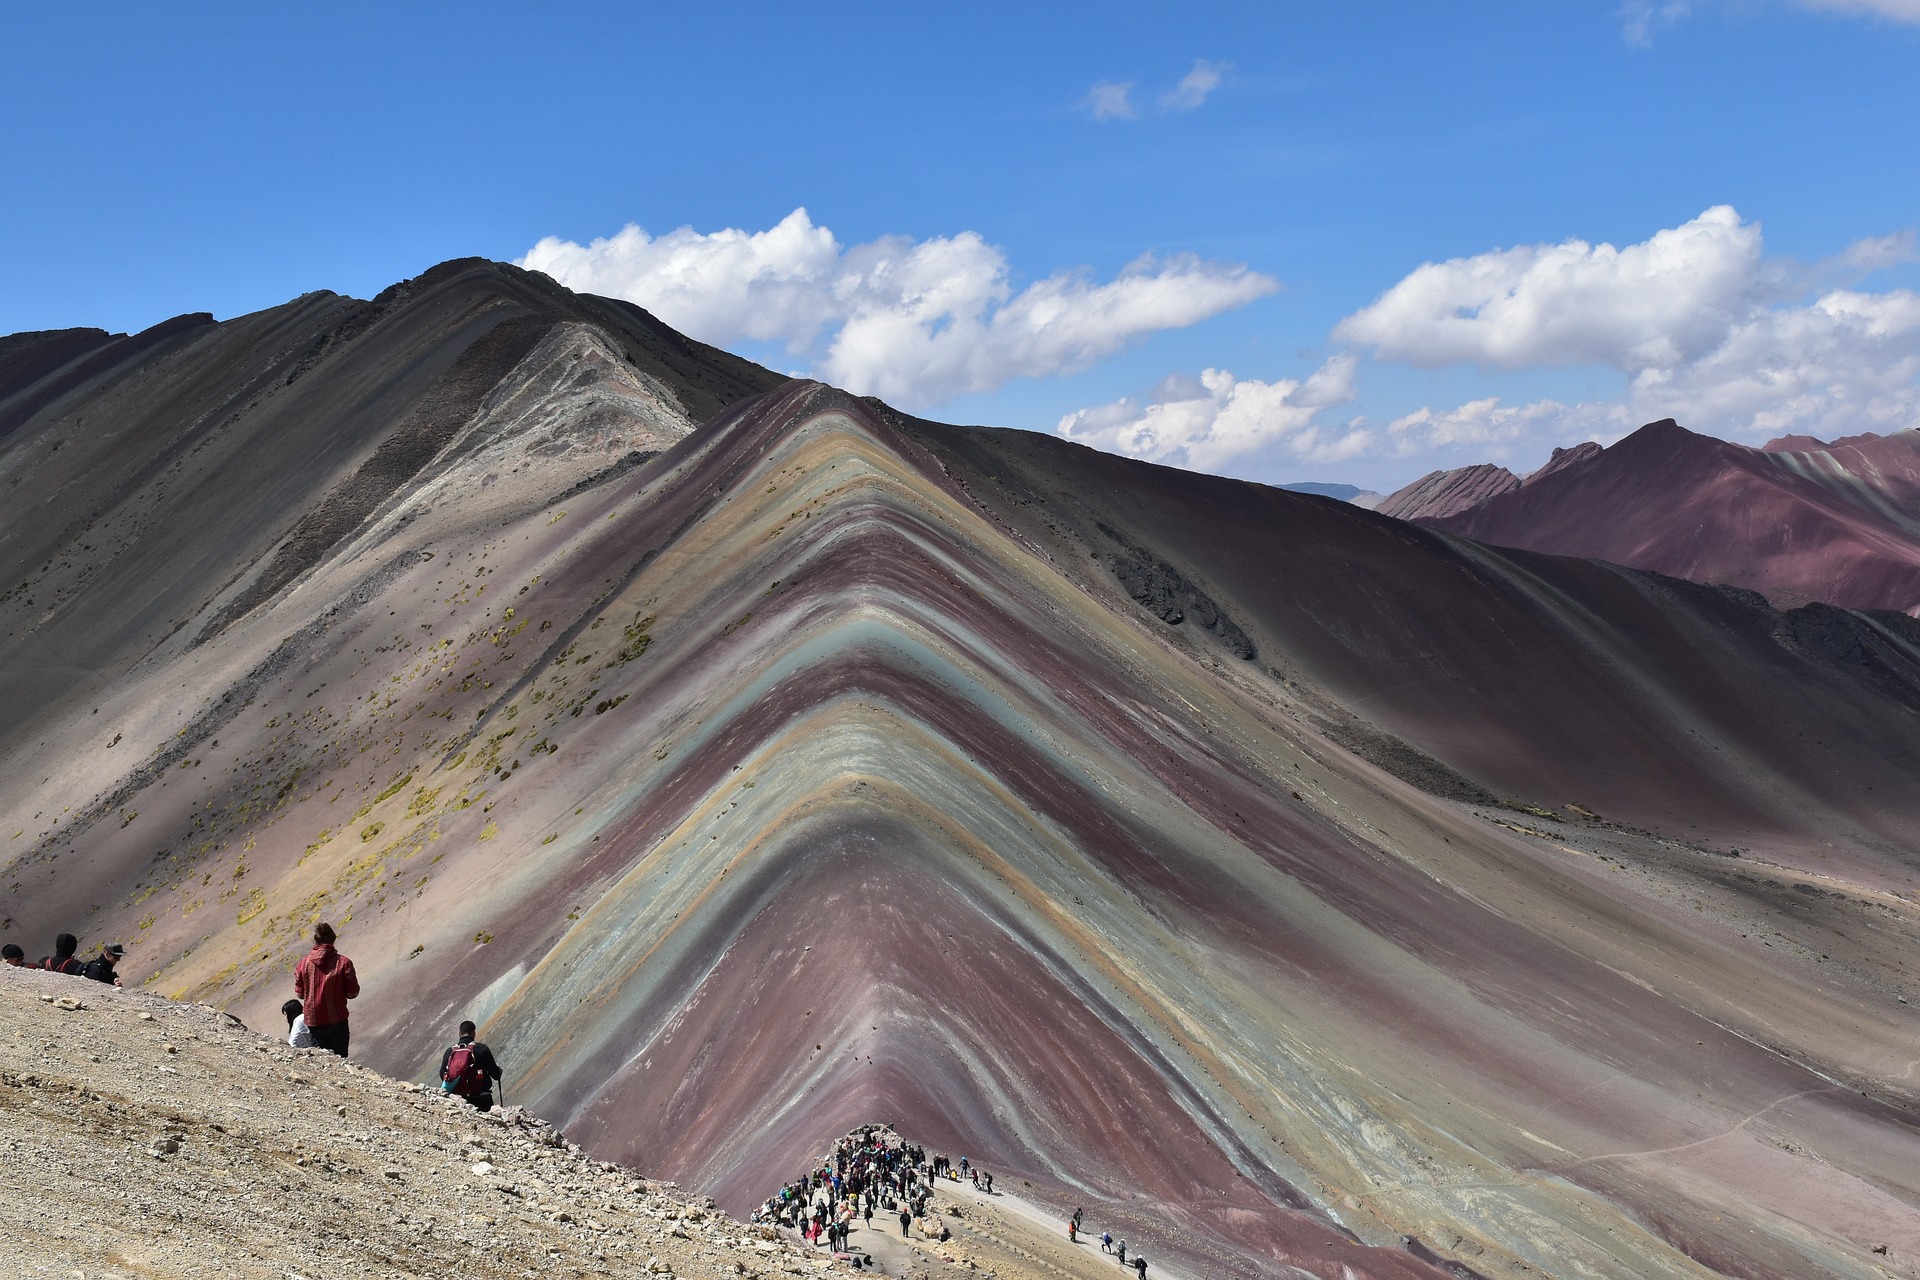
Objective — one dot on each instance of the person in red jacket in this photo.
(325, 981)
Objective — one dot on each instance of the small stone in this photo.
(67, 1002)
(482, 1170)
(146, 1017)
(341, 1111)
(171, 1048)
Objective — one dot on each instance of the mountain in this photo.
(1443, 493)
(1341, 492)
(1798, 521)
(1294, 886)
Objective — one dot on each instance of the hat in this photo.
(114, 949)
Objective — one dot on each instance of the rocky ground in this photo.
(149, 1138)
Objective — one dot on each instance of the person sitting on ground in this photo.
(62, 960)
(297, 1034)
(100, 968)
(325, 981)
(469, 1070)
(12, 954)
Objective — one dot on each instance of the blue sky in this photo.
(980, 184)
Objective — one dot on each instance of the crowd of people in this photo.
(875, 1171)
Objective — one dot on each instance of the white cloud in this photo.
(1195, 86)
(1849, 362)
(1703, 327)
(1110, 100)
(1896, 10)
(1492, 428)
(1667, 299)
(915, 322)
(1205, 422)
(1639, 19)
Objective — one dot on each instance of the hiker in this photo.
(298, 1036)
(1106, 1242)
(469, 1070)
(100, 968)
(1078, 1214)
(325, 981)
(62, 961)
(1073, 1231)
(1122, 1248)
(906, 1220)
(12, 954)
(1139, 1267)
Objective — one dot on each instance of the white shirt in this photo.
(298, 1036)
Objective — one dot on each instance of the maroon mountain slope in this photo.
(1838, 524)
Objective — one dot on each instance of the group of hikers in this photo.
(324, 981)
(874, 1170)
(66, 960)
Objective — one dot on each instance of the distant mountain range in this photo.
(1344, 492)
(1798, 520)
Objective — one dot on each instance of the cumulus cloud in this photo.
(1704, 328)
(1493, 429)
(1202, 423)
(1111, 100)
(916, 322)
(1195, 87)
(1655, 303)
(1849, 362)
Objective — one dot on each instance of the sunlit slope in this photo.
(775, 786)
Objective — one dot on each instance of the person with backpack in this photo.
(1139, 1267)
(324, 981)
(62, 960)
(468, 1069)
(100, 968)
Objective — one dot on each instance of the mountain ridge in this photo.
(1133, 830)
(1837, 524)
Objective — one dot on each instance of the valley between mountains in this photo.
(1314, 892)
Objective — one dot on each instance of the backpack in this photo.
(462, 1074)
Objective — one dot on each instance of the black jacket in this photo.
(100, 969)
(482, 1058)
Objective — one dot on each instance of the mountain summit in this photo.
(1798, 520)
